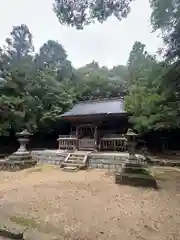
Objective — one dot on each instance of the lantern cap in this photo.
(24, 133)
(130, 132)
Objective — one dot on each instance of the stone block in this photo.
(15, 165)
(136, 175)
(141, 180)
(133, 165)
(70, 169)
(9, 229)
(101, 165)
(106, 166)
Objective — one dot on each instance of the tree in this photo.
(53, 55)
(153, 105)
(16, 64)
(20, 42)
(99, 82)
(166, 17)
(50, 54)
(165, 14)
(32, 96)
(79, 13)
(146, 99)
(119, 71)
(50, 97)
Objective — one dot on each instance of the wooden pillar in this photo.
(77, 137)
(96, 136)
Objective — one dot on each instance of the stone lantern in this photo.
(133, 172)
(22, 157)
(23, 139)
(131, 143)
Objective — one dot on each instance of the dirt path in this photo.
(88, 205)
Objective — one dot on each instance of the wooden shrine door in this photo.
(87, 140)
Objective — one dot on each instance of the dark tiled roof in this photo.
(111, 106)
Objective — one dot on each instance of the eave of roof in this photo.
(96, 107)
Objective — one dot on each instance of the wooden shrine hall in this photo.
(97, 125)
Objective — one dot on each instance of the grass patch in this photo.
(41, 168)
(165, 175)
(35, 170)
(34, 224)
(137, 170)
(25, 222)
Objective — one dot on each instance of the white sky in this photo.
(108, 43)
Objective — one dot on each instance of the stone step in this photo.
(76, 157)
(79, 159)
(67, 164)
(78, 154)
(70, 169)
(75, 161)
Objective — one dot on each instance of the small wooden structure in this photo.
(96, 125)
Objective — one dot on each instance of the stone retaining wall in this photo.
(95, 160)
(49, 157)
(101, 161)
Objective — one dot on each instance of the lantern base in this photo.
(17, 161)
(135, 175)
(15, 165)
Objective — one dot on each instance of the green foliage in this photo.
(99, 82)
(50, 54)
(148, 99)
(165, 14)
(32, 96)
(151, 88)
(36, 88)
(20, 43)
(166, 17)
(79, 13)
(154, 88)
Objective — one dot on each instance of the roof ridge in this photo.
(100, 100)
(97, 106)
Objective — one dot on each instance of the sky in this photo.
(108, 43)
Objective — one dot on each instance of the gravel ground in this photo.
(88, 205)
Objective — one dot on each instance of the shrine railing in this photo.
(113, 144)
(107, 143)
(67, 142)
(87, 144)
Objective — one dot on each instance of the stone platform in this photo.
(12, 228)
(135, 174)
(14, 165)
(20, 159)
(99, 160)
